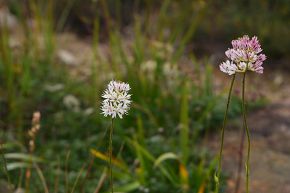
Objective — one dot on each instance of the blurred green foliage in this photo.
(267, 19)
(217, 21)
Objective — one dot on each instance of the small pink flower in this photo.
(244, 55)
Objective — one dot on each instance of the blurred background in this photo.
(57, 56)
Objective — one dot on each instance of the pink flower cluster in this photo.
(245, 55)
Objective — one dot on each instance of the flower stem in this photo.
(247, 132)
(110, 155)
(217, 175)
(241, 156)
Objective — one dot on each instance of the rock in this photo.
(72, 103)
(19, 190)
(88, 111)
(53, 87)
(67, 58)
(7, 19)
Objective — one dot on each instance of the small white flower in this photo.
(228, 67)
(116, 99)
(242, 67)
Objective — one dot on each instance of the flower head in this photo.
(244, 55)
(116, 99)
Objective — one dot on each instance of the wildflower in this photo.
(34, 130)
(228, 67)
(116, 99)
(245, 55)
(116, 103)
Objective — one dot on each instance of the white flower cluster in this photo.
(116, 99)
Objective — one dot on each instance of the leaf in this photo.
(129, 187)
(104, 157)
(142, 150)
(22, 156)
(10, 145)
(166, 172)
(201, 188)
(183, 173)
(216, 179)
(184, 177)
(164, 157)
(17, 165)
(184, 121)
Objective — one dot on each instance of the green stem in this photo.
(42, 178)
(217, 175)
(110, 155)
(247, 132)
(240, 162)
(5, 164)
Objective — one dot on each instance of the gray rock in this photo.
(7, 19)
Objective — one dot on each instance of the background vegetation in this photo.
(162, 49)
